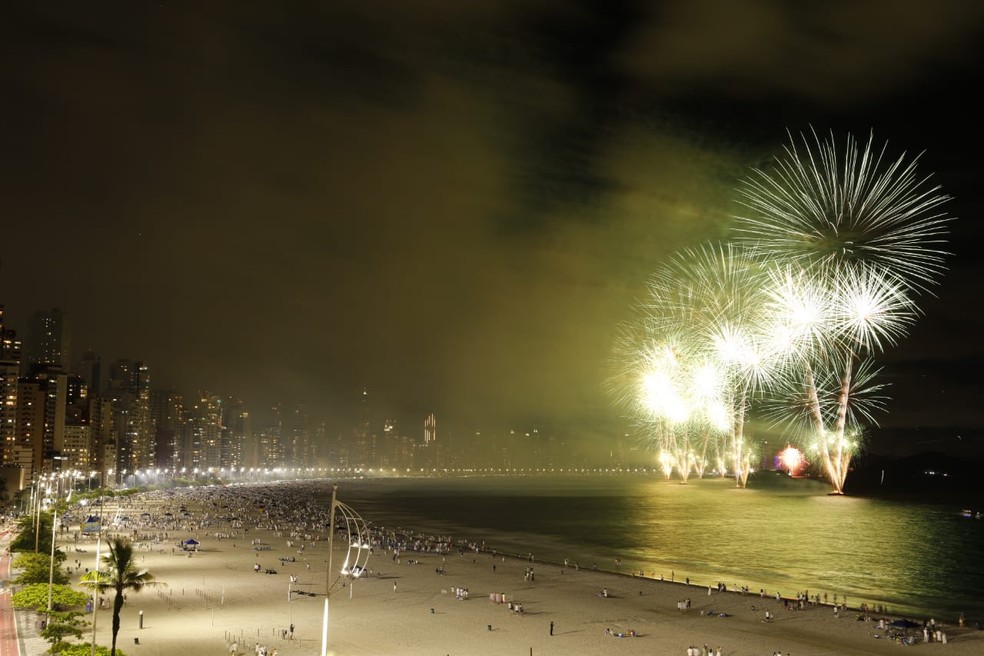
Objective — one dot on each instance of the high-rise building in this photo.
(167, 418)
(252, 444)
(76, 450)
(10, 346)
(389, 445)
(91, 369)
(76, 447)
(427, 455)
(40, 422)
(237, 433)
(102, 450)
(271, 441)
(430, 430)
(129, 388)
(296, 437)
(323, 443)
(365, 454)
(268, 445)
(205, 426)
(76, 398)
(47, 342)
(10, 363)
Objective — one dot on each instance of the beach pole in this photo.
(51, 563)
(324, 630)
(95, 588)
(331, 544)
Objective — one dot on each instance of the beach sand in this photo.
(214, 596)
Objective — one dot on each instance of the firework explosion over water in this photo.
(821, 275)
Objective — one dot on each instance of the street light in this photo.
(51, 563)
(54, 533)
(95, 589)
(37, 520)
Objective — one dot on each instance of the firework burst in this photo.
(853, 238)
(696, 355)
(823, 209)
(827, 259)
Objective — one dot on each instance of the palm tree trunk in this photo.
(117, 607)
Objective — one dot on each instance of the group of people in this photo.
(258, 649)
(631, 633)
(703, 651)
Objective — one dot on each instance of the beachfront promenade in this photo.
(260, 568)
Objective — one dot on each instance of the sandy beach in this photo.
(406, 606)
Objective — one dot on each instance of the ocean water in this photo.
(917, 558)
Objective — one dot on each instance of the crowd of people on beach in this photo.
(298, 513)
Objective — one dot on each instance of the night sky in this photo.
(452, 204)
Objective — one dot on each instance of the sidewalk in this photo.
(31, 644)
(26, 642)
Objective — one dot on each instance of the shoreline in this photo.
(407, 606)
(870, 579)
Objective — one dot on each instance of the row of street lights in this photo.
(46, 493)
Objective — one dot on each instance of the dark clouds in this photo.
(452, 204)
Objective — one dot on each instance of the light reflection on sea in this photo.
(920, 558)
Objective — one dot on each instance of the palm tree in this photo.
(120, 574)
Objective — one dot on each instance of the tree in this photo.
(35, 597)
(62, 624)
(120, 574)
(25, 540)
(80, 649)
(36, 568)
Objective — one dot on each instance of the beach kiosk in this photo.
(91, 525)
(191, 544)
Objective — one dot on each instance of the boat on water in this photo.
(967, 512)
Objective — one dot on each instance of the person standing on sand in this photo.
(551, 627)
(394, 587)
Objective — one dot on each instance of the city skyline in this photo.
(118, 426)
(457, 214)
